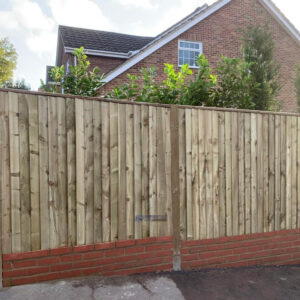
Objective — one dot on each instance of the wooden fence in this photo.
(80, 171)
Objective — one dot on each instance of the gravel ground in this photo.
(243, 283)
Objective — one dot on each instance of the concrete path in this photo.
(249, 283)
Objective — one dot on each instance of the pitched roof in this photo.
(197, 16)
(73, 37)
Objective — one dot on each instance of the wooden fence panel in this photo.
(82, 171)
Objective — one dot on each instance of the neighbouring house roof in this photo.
(135, 48)
(102, 43)
(191, 20)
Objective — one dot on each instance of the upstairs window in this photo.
(188, 53)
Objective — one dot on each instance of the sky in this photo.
(31, 25)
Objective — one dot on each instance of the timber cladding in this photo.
(83, 171)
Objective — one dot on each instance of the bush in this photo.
(229, 88)
(78, 80)
(234, 84)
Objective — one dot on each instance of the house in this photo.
(213, 30)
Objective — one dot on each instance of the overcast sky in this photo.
(31, 25)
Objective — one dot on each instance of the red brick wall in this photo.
(220, 35)
(107, 259)
(150, 255)
(274, 248)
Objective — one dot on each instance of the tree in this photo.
(79, 80)
(234, 84)
(297, 84)
(8, 60)
(258, 51)
(18, 84)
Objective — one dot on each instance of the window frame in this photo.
(182, 48)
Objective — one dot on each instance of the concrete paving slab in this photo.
(245, 283)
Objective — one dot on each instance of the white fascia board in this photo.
(100, 53)
(163, 41)
(269, 6)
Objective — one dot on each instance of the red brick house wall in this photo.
(220, 35)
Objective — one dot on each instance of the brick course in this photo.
(151, 255)
(272, 248)
(113, 258)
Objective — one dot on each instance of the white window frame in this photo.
(182, 48)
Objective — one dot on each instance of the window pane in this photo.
(180, 53)
(181, 61)
(181, 44)
(196, 46)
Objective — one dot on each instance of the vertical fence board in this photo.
(62, 172)
(122, 172)
(71, 170)
(15, 171)
(260, 174)
(222, 175)
(168, 169)
(24, 174)
(234, 173)
(241, 157)
(161, 178)
(32, 101)
(145, 168)
(130, 171)
(294, 173)
(253, 173)
(209, 177)
(5, 203)
(215, 173)
(283, 173)
(89, 172)
(105, 115)
(228, 158)
(80, 204)
(271, 173)
(97, 171)
(189, 203)
(152, 169)
(195, 174)
(288, 172)
(277, 172)
(202, 175)
(5, 188)
(114, 169)
(44, 172)
(53, 164)
(265, 149)
(182, 172)
(137, 172)
(247, 173)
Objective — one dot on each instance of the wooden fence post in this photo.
(175, 188)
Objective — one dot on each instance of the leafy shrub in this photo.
(234, 84)
(78, 80)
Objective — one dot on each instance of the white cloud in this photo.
(139, 3)
(79, 13)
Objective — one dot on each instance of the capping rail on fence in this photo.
(78, 171)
